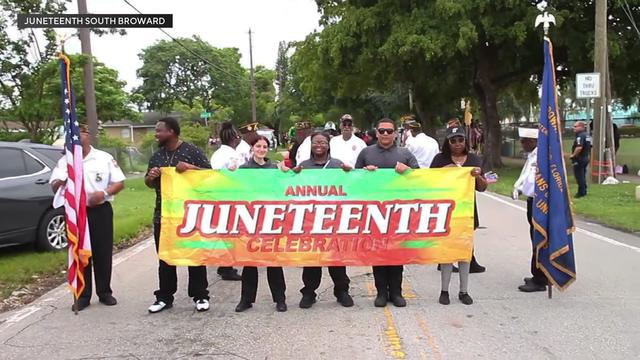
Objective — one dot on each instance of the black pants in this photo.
(275, 277)
(100, 220)
(311, 277)
(388, 279)
(538, 276)
(580, 172)
(168, 278)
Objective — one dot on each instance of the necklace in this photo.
(173, 154)
(459, 162)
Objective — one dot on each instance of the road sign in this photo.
(588, 85)
(205, 115)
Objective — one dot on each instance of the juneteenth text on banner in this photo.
(222, 218)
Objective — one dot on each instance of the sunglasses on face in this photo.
(456, 140)
(386, 131)
(347, 124)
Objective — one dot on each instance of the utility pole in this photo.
(253, 81)
(89, 88)
(600, 107)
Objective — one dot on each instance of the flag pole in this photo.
(545, 19)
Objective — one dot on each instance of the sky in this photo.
(223, 23)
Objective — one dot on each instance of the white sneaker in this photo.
(202, 305)
(158, 306)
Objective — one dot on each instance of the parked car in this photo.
(26, 212)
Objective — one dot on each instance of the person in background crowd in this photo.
(386, 155)
(103, 179)
(303, 130)
(526, 185)
(248, 133)
(226, 157)
(346, 147)
(372, 137)
(275, 275)
(406, 130)
(174, 152)
(320, 158)
(455, 152)
(422, 146)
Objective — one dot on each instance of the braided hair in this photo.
(228, 133)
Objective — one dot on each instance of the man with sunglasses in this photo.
(387, 155)
(346, 147)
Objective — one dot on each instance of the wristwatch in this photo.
(106, 194)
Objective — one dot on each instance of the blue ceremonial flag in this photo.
(552, 214)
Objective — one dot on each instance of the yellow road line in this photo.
(390, 333)
(393, 338)
(435, 350)
(407, 291)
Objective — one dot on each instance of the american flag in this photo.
(75, 196)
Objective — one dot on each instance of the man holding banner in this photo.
(183, 156)
(386, 155)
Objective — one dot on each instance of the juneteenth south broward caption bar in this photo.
(316, 225)
(93, 20)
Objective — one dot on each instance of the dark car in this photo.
(26, 211)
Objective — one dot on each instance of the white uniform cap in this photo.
(528, 133)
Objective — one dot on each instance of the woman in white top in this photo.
(226, 157)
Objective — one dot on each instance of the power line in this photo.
(627, 11)
(201, 58)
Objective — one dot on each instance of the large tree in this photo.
(38, 108)
(193, 73)
(447, 49)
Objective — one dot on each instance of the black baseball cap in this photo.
(456, 131)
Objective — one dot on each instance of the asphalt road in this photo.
(598, 317)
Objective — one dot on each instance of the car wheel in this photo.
(52, 233)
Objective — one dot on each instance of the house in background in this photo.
(134, 132)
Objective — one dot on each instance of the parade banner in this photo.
(260, 217)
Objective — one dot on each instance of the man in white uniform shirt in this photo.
(421, 145)
(102, 180)
(525, 185)
(346, 147)
(304, 150)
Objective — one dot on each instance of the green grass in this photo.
(21, 265)
(629, 152)
(611, 205)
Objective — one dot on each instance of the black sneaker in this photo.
(381, 300)
(398, 301)
(476, 268)
(444, 298)
(345, 299)
(465, 298)
(243, 305)
(108, 300)
(532, 287)
(307, 301)
(229, 274)
(81, 304)
(281, 306)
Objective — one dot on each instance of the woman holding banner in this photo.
(311, 276)
(455, 152)
(275, 275)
